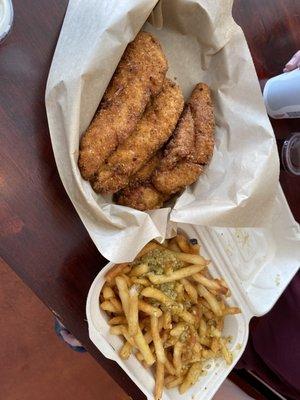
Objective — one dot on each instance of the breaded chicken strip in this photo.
(152, 131)
(204, 122)
(173, 180)
(139, 75)
(198, 118)
(185, 156)
(182, 142)
(144, 174)
(142, 197)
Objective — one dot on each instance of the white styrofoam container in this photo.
(257, 264)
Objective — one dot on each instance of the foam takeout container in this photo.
(257, 265)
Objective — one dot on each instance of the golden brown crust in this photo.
(143, 197)
(144, 174)
(181, 164)
(189, 149)
(182, 143)
(139, 75)
(203, 116)
(173, 180)
(152, 131)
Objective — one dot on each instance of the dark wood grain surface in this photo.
(42, 238)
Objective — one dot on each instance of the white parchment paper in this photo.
(202, 43)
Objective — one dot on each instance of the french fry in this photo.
(114, 271)
(172, 245)
(159, 380)
(127, 279)
(190, 289)
(212, 301)
(225, 352)
(107, 292)
(179, 288)
(117, 329)
(205, 341)
(133, 312)
(177, 357)
(220, 324)
(121, 330)
(148, 309)
(167, 320)
(108, 306)
(170, 342)
(192, 258)
(148, 337)
(191, 378)
(215, 345)
(164, 336)
(143, 346)
(157, 295)
(140, 281)
(169, 367)
(176, 275)
(207, 354)
(178, 329)
(208, 315)
(187, 317)
(123, 293)
(197, 348)
(139, 270)
(175, 381)
(126, 270)
(119, 320)
(196, 358)
(169, 379)
(139, 356)
(231, 310)
(117, 305)
(210, 284)
(125, 351)
(182, 243)
(159, 350)
(214, 332)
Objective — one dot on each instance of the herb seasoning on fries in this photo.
(169, 311)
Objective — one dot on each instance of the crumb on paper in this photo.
(242, 236)
(229, 250)
(238, 346)
(277, 280)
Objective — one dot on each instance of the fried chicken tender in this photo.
(142, 197)
(204, 122)
(184, 158)
(152, 131)
(182, 143)
(139, 75)
(198, 118)
(144, 174)
(173, 180)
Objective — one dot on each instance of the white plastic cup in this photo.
(282, 95)
(6, 18)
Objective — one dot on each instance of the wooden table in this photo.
(42, 238)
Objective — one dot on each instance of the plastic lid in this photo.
(6, 17)
(290, 154)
